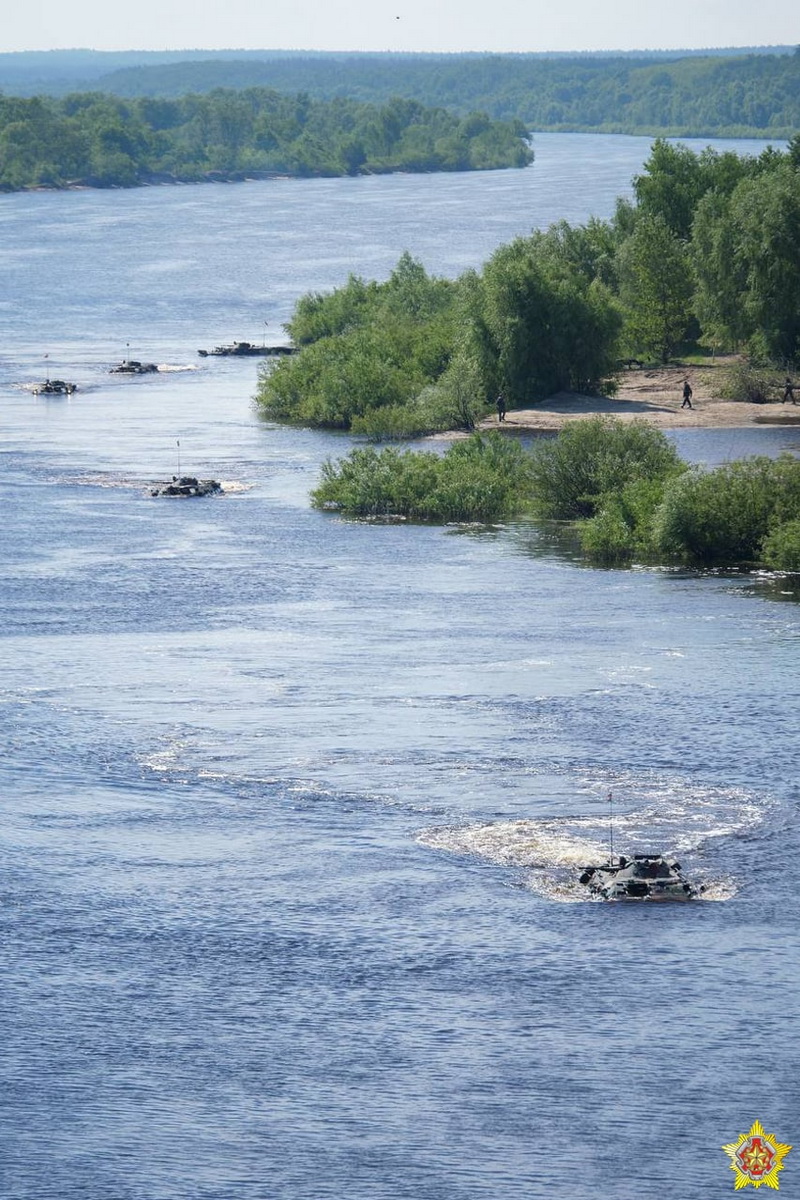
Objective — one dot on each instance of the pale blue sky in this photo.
(444, 25)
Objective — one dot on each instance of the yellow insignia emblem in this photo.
(756, 1158)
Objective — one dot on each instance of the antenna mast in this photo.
(611, 825)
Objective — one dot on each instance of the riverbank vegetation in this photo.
(677, 93)
(416, 354)
(706, 254)
(620, 490)
(480, 479)
(98, 140)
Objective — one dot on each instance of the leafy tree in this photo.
(547, 329)
(676, 180)
(591, 249)
(765, 215)
(671, 186)
(656, 288)
(366, 347)
(316, 316)
(720, 273)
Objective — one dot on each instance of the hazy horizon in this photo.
(575, 26)
(353, 50)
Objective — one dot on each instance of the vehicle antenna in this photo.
(611, 824)
(47, 368)
(179, 457)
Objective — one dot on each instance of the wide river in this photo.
(293, 807)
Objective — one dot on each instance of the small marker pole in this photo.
(611, 824)
(179, 457)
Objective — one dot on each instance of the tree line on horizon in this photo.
(99, 140)
(681, 94)
(706, 254)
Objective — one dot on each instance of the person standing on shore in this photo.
(501, 407)
(788, 392)
(687, 394)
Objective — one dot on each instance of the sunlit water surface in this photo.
(293, 807)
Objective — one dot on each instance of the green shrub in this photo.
(364, 349)
(781, 549)
(623, 524)
(748, 383)
(724, 515)
(594, 457)
(608, 536)
(641, 498)
(480, 479)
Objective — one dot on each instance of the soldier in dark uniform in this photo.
(501, 407)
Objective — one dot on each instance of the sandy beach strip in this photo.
(653, 396)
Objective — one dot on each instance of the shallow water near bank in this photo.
(293, 806)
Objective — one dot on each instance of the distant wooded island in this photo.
(727, 93)
(95, 140)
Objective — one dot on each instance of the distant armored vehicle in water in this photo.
(55, 387)
(244, 349)
(642, 877)
(187, 485)
(131, 366)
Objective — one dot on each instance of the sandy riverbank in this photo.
(653, 396)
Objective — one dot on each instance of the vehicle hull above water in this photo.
(643, 877)
(187, 486)
(55, 387)
(244, 349)
(131, 366)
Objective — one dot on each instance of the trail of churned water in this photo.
(293, 807)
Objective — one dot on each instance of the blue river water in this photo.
(293, 807)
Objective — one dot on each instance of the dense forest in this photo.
(682, 95)
(104, 141)
(708, 252)
(57, 72)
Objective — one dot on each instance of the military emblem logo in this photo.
(756, 1158)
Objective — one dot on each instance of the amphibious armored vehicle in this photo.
(187, 485)
(244, 349)
(131, 366)
(640, 877)
(55, 387)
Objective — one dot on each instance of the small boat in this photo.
(130, 366)
(642, 877)
(187, 485)
(244, 349)
(55, 387)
